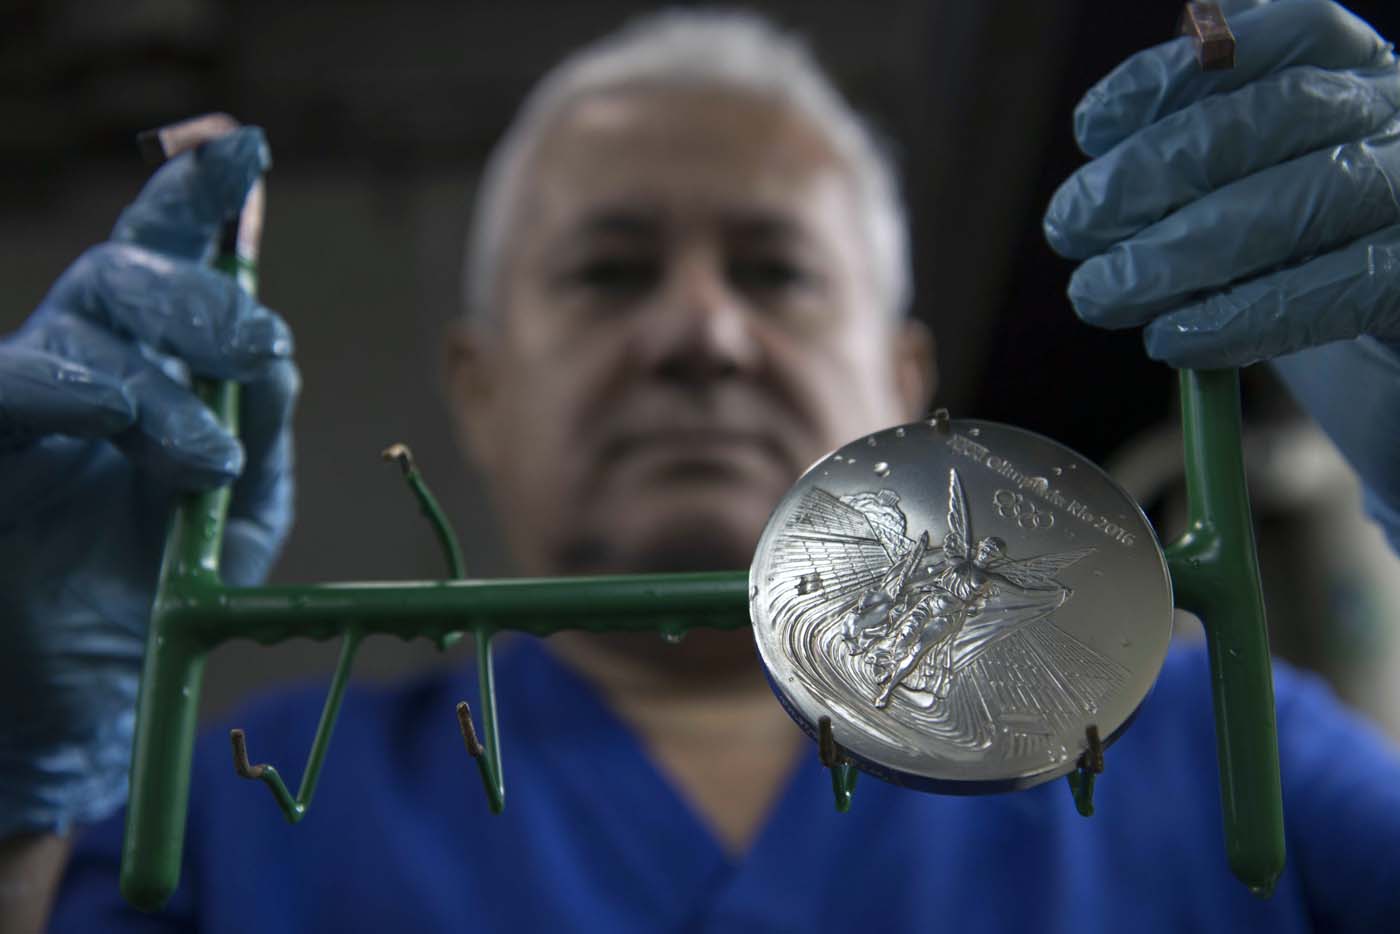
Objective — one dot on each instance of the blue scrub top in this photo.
(595, 838)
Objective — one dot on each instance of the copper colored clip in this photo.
(241, 765)
(1215, 43)
(169, 141)
(464, 721)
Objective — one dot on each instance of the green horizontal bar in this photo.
(413, 609)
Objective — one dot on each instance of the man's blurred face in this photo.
(688, 321)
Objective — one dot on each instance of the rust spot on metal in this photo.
(241, 765)
(401, 454)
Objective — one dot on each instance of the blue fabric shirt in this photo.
(595, 838)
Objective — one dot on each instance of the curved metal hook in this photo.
(294, 808)
(843, 772)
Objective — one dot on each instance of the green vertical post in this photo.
(167, 705)
(489, 762)
(1215, 573)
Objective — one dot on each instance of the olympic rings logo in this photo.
(1012, 505)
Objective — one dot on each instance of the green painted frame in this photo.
(1213, 567)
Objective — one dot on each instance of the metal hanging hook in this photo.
(240, 757)
(1090, 767)
(464, 720)
(487, 755)
(428, 505)
(294, 808)
(843, 772)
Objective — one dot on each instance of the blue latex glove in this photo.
(1246, 214)
(98, 435)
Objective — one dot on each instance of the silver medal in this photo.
(963, 599)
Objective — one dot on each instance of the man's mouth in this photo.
(695, 449)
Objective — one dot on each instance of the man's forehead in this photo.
(630, 155)
(688, 118)
(644, 219)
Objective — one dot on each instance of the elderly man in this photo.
(686, 282)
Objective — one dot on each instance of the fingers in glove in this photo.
(188, 199)
(174, 436)
(175, 307)
(43, 394)
(1195, 151)
(1166, 78)
(1340, 295)
(1275, 217)
(261, 509)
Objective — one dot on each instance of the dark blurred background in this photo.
(380, 115)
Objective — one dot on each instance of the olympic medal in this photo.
(964, 600)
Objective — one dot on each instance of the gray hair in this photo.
(692, 48)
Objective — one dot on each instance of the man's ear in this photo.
(469, 385)
(915, 366)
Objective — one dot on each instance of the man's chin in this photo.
(698, 530)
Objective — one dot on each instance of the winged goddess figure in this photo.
(926, 619)
(921, 640)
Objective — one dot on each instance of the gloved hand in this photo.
(1246, 214)
(98, 435)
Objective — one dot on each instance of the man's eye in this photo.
(618, 275)
(767, 274)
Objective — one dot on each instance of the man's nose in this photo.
(700, 329)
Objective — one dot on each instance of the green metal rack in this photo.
(1213, 567)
